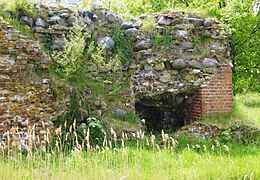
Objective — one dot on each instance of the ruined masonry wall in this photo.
(194, 65)
(25, 99)
(182, 55)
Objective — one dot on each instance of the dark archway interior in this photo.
(166, 111)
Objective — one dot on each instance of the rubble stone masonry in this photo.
(26, 103)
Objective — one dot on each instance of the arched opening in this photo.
(165, 111)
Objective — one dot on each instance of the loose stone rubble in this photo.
(237, 131)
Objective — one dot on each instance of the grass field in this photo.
(202, 160)
(246, 108)
(249, 107)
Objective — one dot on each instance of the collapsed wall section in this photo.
(26, 100)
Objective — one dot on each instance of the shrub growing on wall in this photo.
(82, 69)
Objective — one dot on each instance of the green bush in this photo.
(70, 64)
(75, 71)
(244, 40)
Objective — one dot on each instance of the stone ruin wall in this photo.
(193, 69)
(26, 101)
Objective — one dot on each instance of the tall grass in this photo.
(134, 164)
(128, 156)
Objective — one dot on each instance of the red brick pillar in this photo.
(215, 97)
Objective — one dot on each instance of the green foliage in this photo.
(71, 64)
(148, 25)
(225, 135)
(21, 8)
(12, 20)
(96, 129)
(98, 62)
(132, 7)
(85, 72)
(48, 40)
(244, 40)
(86, 3)
(70, 69)
(161, 39)
(82, 59)
(123, 47)
(78, 107)
(94, 123)
(137, 7)
(13, 4)
(132, 118)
